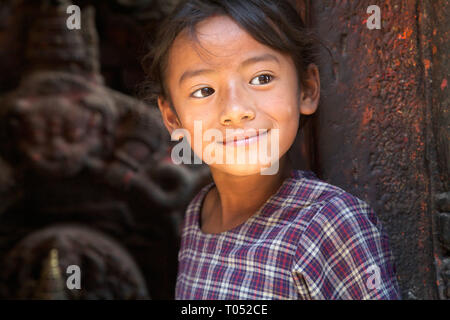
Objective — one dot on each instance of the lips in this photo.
(245, 138)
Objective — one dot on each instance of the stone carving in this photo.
(147, 9)
(73, 149)
(60, 122)
(36, 267)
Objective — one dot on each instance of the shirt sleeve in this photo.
(344, 254)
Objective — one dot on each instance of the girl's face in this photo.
(227, 81)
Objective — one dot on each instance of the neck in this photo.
(237, 198)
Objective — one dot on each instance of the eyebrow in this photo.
(264, 57)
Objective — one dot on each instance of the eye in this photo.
(203, 92)
(261, 79)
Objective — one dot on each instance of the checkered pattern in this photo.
(310, 240)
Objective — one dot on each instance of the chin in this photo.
(241, 169)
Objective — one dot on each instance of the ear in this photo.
(168, 114)
(310, 93)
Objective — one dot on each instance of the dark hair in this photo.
(274, 23)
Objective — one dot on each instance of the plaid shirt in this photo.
(310, 240)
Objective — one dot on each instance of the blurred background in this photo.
(86, 177)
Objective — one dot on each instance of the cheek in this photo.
(284, 111)
(288, 134)
(281, 105)
(197, 121)
(194, 128)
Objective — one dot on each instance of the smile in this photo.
(244, 140)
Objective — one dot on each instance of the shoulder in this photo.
(345, 216)
(341, 244)
(305, 189)
(333, 206)
(339, 217)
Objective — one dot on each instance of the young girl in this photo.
(244, 70)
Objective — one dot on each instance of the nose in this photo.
(237, 106)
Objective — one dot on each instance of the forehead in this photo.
(222, 43)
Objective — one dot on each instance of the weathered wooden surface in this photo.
(382, 127)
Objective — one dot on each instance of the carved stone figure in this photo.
(36, 268)
(73, 149)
